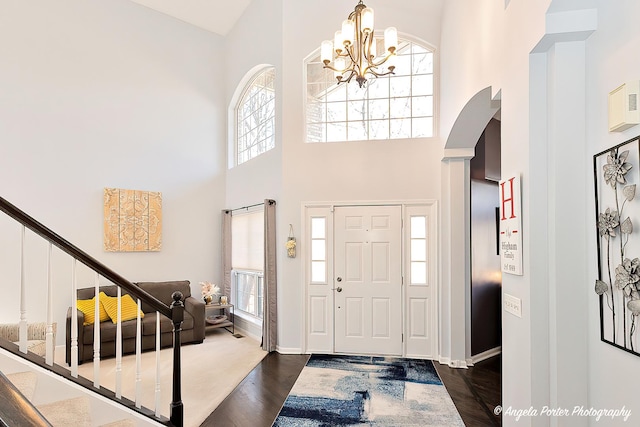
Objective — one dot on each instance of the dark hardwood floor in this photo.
(475, 391)
(258, 398)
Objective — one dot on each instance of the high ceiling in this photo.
(217, 16)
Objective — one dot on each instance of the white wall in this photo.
(610, 62)
(109, 94)
(374, 170)
(255, 41)
(554, 113)
(282, 33)
(118, 95)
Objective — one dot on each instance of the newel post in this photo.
(177, 316)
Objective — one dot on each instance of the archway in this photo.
(455, 301)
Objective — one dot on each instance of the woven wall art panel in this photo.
(132, 220)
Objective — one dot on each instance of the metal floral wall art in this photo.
(617, 172)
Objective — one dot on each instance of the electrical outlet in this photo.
(512, 305)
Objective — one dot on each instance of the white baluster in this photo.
(96, 335)
(157, 364)
(138, 357)
(23, 298)
(74, 320)
(49, 334)
(119, 345)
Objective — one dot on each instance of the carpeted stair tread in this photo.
(25, 382)
(121, 423)
(74, 412)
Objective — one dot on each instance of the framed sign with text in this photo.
(510, 219)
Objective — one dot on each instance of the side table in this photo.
(217, 316)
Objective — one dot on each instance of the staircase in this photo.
(57, 401)
(61, 397)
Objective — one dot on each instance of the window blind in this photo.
(247, 249)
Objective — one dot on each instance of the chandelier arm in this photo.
(351, 74)
(382, 61)
(332, 68)
(358, 48)
(380, 74)
(354, 63)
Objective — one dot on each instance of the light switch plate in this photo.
(512, 305)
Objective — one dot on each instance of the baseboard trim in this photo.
(289, 350)
(248, 328)
(484, 355)
(453, 363)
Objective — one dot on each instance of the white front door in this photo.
(368, 280)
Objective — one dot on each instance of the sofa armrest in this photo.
(10, 331)
(38, 331)
(35, 331)
(195, 307)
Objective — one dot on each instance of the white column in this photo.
(455, 280)
(23, 296)
(96, 334)
(119, 345)
(74, 319)
(138, 397)
(158, 389)
(49, 344)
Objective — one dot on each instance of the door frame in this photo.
(317, 297)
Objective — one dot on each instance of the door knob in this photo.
(339, 279)
(339, 289)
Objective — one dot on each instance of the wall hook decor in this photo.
(291, 243)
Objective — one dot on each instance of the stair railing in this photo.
(15, 408)
(175, 312)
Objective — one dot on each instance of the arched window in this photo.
(397, 106)
(255, 117)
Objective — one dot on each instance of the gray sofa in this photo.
(192, 326)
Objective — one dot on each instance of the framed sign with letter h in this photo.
(510, 219)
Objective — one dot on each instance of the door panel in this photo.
(368, 280)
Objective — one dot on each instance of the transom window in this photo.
(397, 106)
(255, 117)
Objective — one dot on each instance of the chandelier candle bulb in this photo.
(355, 51)
(347, 32)
(367, 20)
(326, 51)
(391, 39)
(337, 42)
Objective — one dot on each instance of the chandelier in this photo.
(355, 49)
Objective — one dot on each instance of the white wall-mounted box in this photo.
(512, 305)
(623, 106)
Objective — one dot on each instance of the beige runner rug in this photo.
(210, 371)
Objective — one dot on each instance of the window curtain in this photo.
(270, 309)
(226, 254)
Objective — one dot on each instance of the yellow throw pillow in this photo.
(128, 307)
(88, 307)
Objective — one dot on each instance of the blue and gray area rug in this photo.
(337, 390)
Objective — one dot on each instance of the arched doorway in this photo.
(455, 313)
